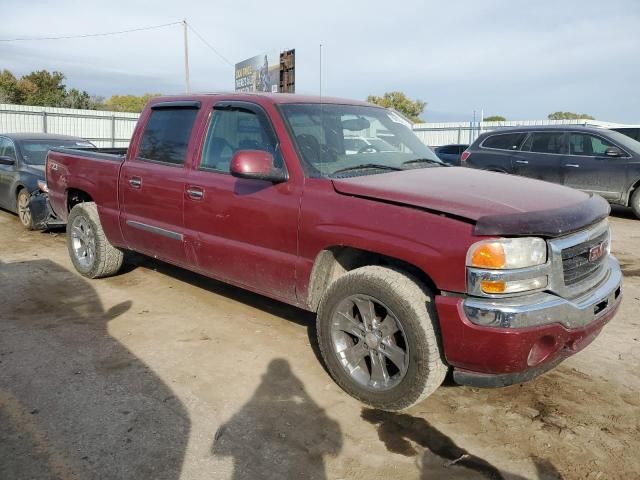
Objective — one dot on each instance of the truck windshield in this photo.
(352, 140)
(34, 152)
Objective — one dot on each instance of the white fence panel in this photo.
(104, 128)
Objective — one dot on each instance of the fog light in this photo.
(515, 286)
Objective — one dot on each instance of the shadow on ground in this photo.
(74, 402)
(279, 309)
(441, 457)
(280, 432)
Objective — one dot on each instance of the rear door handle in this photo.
(135, 182)
(574, 165)
(524, 162)
(195, 193)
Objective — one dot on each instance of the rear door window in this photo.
(504, 141)
(548, 142)
(166, 135)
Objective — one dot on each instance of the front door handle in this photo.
(524, 162)
(574, 165)
(135, 182)
(195, 193)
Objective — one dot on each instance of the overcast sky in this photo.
(518, 59)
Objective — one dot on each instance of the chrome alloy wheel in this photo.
(83, 242)
(369, 342)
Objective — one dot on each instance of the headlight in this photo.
(507, 253)
(42, 186)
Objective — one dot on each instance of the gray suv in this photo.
(591, 159)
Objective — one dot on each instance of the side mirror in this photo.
(614, 152)
(257, 165)
(4, 160)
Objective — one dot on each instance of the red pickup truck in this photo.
(414, 268)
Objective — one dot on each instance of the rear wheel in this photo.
(634, 203)
(377, 335)
(24, 214)
(90, 251)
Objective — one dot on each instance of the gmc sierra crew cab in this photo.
(414, 268)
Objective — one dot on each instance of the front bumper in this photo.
(42, 215)
(485, 352)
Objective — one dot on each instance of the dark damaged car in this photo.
(22, 183)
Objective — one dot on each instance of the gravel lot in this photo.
(160, 373)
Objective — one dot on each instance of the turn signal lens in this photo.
(489, 286)
(515, 286)
(489, 255)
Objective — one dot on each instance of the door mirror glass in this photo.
(613, 152)
(257, 165)
(4, 160)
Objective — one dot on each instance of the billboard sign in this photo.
(258, 74)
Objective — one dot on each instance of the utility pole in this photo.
(320, 75)
(186, 58)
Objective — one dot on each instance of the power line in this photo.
(209, 45)
(22, 39)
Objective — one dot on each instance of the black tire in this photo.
(412, 305)
(634, 202)
(106, 259)
(22, 209)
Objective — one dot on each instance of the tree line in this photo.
(47, 89)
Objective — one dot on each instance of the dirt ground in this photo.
(159, 373)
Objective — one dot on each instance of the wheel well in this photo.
(336, 261)
(631, 192)
(75, 196)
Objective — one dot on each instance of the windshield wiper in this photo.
(426, 160)
(365, 166)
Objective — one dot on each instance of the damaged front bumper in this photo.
(493, 356)
(42, 216)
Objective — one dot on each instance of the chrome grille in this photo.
(575, 260)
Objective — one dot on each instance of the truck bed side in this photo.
(74, 176)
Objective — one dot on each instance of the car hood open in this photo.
(497, 203)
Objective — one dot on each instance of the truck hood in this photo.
(499, 204)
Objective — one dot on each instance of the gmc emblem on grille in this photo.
(597, 252)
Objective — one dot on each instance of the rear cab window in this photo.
(166, 135)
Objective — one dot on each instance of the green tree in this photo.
(45, 89)
(49, 91)
(495, 118)
(75, 98)
(128, 103)
(412, 109)
(569, 116)
(9, 88)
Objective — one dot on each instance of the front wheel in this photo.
(90, 251)
(24, 213)
(377, 334)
